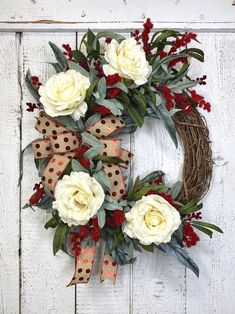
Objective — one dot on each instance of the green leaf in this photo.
(182, 256)
(121, 86)
(45, 203)
(59, 236)
(101, 87)
(92, 120)
(90, 139)
(182, 85)
(140, 99)
(111, 204)
(60, 57)
(33, 91)
(152, 176)
(103, 179)
(76, 166)
(78, 55)
(55, 66)
(143, 191)
(204, 230)
(208, 225)
(166, 119)
(90, 90)
(99, 166)
(112, 35)
(78, 68)
(41, 165)
(176, 189)
(52, 223)
(181, 73)
(101, 215)
(195, 53)
(136, 115)
(190, 207)
(112, 160)
(112, 104)
(69, 123)
(149, 248)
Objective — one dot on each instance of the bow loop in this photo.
(65, 142)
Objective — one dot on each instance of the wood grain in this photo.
(44, 277)
(10, 96)
(83, 11)
(155, 283)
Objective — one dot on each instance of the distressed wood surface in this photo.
(44, 276)
(10, 100)
(155, 283)
(117, 11)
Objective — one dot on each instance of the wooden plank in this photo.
(9, 159)
(119, 11)
(44, 277)
(213, 292)
(56, 26)
(158, 281)
(105, 298)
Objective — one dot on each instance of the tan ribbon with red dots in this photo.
(59, 145)
(103, 130)
(84, 265)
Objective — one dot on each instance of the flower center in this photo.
(153, 218)
(81, 200)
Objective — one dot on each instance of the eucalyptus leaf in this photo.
(176, 189)
(101, 87)
(59, 55)
(112, 104)
(164, 116)
(69, 123)
(78, 68)
(92, 120)
(152, 176)
(103, 179)
(112, 35)
(101, 215)
(90, 139)
(182, 85)
(33, 91)
(76, 166)
(182, 256)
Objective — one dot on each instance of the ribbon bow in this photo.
(60, 146)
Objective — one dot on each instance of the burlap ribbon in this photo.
(60, 144)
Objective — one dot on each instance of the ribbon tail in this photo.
(83, 266)
(109, 269)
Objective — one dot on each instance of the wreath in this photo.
(101, 91)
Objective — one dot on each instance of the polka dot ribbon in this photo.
(59, 145)
(84, 265)
(104, 129)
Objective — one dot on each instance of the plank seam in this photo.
(18, 43)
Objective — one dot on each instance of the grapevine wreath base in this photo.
(99, 92)
(197, 170)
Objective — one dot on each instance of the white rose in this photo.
(152, 220)
(78, 197)
(128, 60)
(64, 94)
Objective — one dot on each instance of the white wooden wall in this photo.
(32, 280)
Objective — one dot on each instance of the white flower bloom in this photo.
(152, 220)
(78, 197)
(128, 60)
(64, 94)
